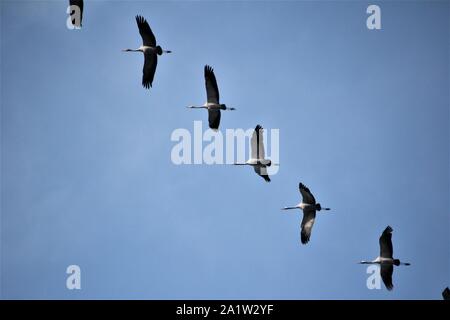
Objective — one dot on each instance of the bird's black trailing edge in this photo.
(388, 230)
(304, 237)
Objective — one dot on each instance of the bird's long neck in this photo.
(290, 208)
(197, 107)
(132, 50)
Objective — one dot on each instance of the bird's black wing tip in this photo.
(304, 238)
(208, 69)
(301, 186)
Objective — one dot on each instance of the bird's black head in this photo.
(159, 50)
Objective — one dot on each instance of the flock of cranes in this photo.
(308, 205)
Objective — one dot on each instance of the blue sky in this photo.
(87, 179)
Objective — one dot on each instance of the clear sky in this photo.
(87, 179)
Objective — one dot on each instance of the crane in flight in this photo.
(212, 103)
(150, 50)
(257, 160)
(386, 259)
(309, 207)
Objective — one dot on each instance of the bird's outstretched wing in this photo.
(79, 4)
(212, 90)
(214, 118)
(307, 223)
(446, 294)
(150, 62)
(386, 275)
(257, 143)
(262, 172)
(386, 250)
(148, 38)
(306, 194)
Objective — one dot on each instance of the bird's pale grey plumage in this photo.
(258, 153)
(257, 143)
(309, 216)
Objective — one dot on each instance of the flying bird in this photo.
(150, 50)
(212, 99)
(257, 161)
(446, 294)
(386, 260)
(78, 3)
(309, 207)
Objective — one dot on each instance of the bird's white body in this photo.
(304, 206)
(211, 106)
(380, 260)
(144, 49)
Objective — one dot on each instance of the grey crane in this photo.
(309, 207)
(212, 103)
(386, 259)
(257, 160)
(150, 50)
